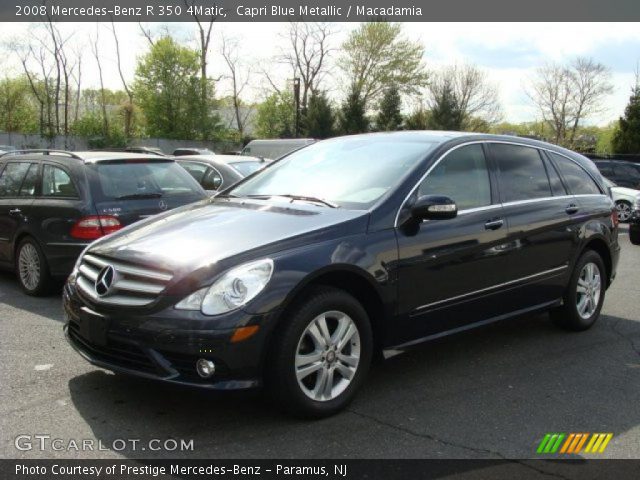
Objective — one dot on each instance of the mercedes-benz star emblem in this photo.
(105, 280)
(162, 204)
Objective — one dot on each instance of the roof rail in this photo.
(42, 151)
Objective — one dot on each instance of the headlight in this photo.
(636, 204)
(234, 289)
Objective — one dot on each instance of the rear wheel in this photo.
(322, 354)
(624, 210)
(31, 268)
(584, 296)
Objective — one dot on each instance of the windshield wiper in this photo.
(132, 196)
(310, 199)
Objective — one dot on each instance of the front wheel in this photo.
(584, 296)
(322, 354)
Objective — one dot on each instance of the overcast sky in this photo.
(509, 52)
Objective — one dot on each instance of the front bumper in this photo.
(165, 346)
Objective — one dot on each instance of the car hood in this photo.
(202, 234)
(625, 192)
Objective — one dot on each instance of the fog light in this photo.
(205, 367)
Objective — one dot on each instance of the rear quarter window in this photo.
(575, 177)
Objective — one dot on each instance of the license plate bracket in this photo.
(93, 328)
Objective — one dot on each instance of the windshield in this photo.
(352, 172)
(247, 168)
(124, 179)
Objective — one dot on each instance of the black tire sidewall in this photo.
(283, 375)
(573, 318)
(43, 283)
(634, 234)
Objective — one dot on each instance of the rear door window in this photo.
(197, 170)
(576, 178)
(57, 183)
(12, 177)
(557, 188)
(28, 188)
(522, 173)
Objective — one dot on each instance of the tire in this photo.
(634, 234)
(624, 209)
(300, 335)
(580, 310)
(31, 268)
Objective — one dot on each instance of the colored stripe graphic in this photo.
(574, 443)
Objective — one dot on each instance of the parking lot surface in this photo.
(489, 393)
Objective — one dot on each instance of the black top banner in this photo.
(318, 10)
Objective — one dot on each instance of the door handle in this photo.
(571, 209)
(494, 224)
(15, 212)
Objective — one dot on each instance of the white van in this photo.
(276, 148)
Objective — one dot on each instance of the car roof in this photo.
(219, 158)
(85, 157)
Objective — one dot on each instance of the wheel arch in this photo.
(600, 246)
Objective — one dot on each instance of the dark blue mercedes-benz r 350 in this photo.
(296, 276)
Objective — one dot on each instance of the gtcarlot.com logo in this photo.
(574, 443)
(45, 442)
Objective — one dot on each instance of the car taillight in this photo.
(95, 226)
(614, 218)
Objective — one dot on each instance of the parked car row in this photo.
(295, 277)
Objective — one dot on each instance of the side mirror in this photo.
(434, 207)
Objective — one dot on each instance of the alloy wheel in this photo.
(624, 211)
(327, 356)
(588, 289)
(29, 266)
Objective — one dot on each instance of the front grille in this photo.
(115, 352)
(134, 286)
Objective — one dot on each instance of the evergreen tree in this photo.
(389, 117)
(627, 137)
(445, 115)
(417, 120)
(352, 114)
(319, 119)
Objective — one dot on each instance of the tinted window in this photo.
(462, 176)
(557, 189)
(578, 181)
(138, 179)
(28, 188)
(57, 183)
(11, 179)
(247, 168)
(623, 170)
(605, 168)
(522, 173)
(353, 171)
(197, 170)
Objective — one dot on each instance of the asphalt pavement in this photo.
(489, 393)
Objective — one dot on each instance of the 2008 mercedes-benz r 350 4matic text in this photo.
(298, 274)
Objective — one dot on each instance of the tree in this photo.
(568, 94)
(308, 51)
(626, 138)
(319, 119)
(352, 114)
(466, 93)
(239, 77)
(167, 86)
(418, 119)
(276, 116)
(18, 111)
(445, 113)
(376, 56)
(389, 117)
